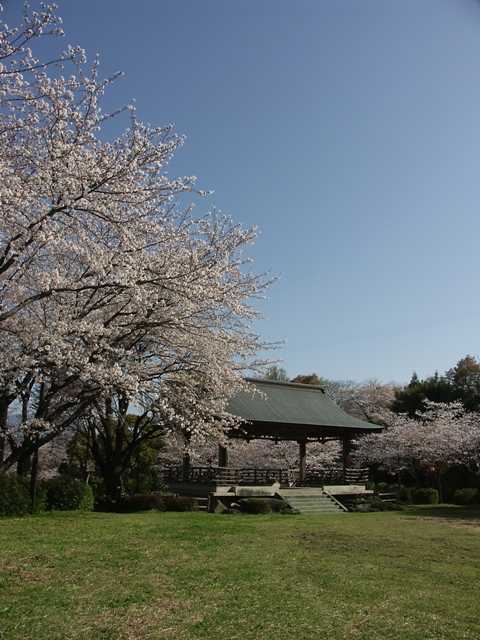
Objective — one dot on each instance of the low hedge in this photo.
(466, 496)
(425, 496)
(177, 503)
(14, 496)
(138, 502)
(370, 504)
(149, 501)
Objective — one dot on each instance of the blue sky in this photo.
(349, 132)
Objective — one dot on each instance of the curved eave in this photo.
(290, 411)
(280, 431)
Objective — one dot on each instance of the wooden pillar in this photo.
(186, 467)
(302, 459)
(222, 456)
(346, 448)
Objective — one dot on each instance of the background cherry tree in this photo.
(444, 434)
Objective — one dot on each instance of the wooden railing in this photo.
(255, 476)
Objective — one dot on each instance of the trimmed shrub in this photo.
(88, 499)
(466, 496)
(372, 503)
(425, 496)
(255, 505)
(40, 498)
(263, 505)
(68, 494)
(14, 496)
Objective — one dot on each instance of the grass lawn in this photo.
(192, 575)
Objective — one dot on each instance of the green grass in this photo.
(411, 575)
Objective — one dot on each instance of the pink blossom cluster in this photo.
(110, 286)
(442, 435)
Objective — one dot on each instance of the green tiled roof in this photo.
(292, 407)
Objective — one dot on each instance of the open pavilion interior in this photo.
(283, 411)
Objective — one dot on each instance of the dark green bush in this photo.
(382, 505)
(405, 494)
(458, 477)
(466, 496)
(425, 496)
(68, 494)
(263, 505)
(255, 505)
(14, 496)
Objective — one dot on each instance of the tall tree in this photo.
(465, 378)
(111, 286)
(461, 382)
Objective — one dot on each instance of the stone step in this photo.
(308, 500)
(302, 508)
(319, 504)
(321, 513)
(315, 502)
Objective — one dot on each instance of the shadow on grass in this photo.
(445, 511)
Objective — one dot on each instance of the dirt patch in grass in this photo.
(335, 543)
(140, 622)
(453, 522)
(25, 574)
(363, 618)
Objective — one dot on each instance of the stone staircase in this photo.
(312, 502)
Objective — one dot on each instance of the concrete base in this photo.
(350, 489)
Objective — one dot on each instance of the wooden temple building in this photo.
(283, 411)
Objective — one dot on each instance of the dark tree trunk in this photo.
(24, 462)
(34, 480)
(112, 477)
(4, 404)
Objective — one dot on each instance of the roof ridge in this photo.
(281, 383)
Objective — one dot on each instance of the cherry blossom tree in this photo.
(370, 400)
(112, 292)
(442, 435)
